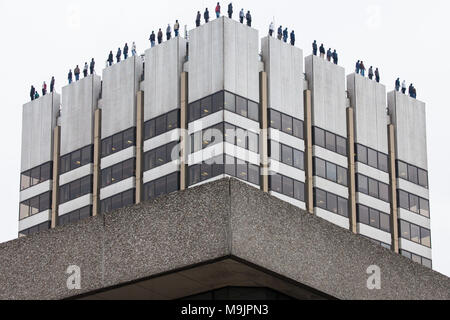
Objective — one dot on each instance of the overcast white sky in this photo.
(405, 38)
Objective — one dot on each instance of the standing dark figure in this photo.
(118, 55)
(249, 19)
(44, 89)
(125, 51)
(152, 39)
(335, 57)
(197, 20)
(314, 48)
(77, 73)
(293, 38)
(206, 15)
(371, 73)
(363, 69)
(241, 16)
(110, 58)
(397, 84)
(377, 75)
(358, 67)
(160, 36)
(69, 76)
(52, 85)
(280, 33)
(92, 66)
(230, 10)
(322, 51)
(329, 54)
(32, 93)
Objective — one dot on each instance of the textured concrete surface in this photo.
(217, 220)
(223, 55)
(409, 117)
(118, 103)
(38, 122)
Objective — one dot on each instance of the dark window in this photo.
(172, 151)
(424, 208)
(86, 185)
(161, 155)
(403, 199)
(423, 178)
(385, 223)
(85, 212)
(230, 133)
(117, 142)
(75, 160)
(288, 187)
(373, 188)
(253, 174)
(319, 137)
(361, 152)
(415, 233)
(406, 254)
(35, 176)
(150, 129)
(331, 172)
(241, 106)
(342, 176)
(194, 175)
(384, 192)
(160, 125)
(172, 183)
(275, 119)
(25, 180)
(363, 184)
(34, 206)
(242, 170)
(65, 164)
(150, 160)
(129, 138)
(363, 214)
(299, 160)
(45, 202)
(128, 168)
(86, 155)
(372, 158)
(116, 173)
(413, 174)
(149, 191)
(275, 183)
(402, 169)
(383, 162)
(299, 191)
(106, 205)
(321, 199)
(46, 172)
(332, 203)
(160, 187)
(330, 141)
(75, 189)
(218, 102)
(218, 166)
(253, 142)
(286, 124)
(116, 202)
(414, 203)
(405, 230)
(286, 155)
(206, 171)
(298, 128)
(425, 235)
(230, 166)
(194, 111)
(253, 111)
(320, 168)
(127, 198)
(341, 146)
(230, 102)
(374, 218)
(206, 106)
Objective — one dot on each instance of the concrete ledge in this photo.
(226, 218)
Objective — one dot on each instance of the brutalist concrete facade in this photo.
(226, 220)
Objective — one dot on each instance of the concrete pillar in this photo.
(139, 144)
(264, 132)
(184, 96)
(97, 160)
(351, 171)
(309, 185)
(393, 189)
(55, 186)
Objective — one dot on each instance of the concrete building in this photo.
(215, 106)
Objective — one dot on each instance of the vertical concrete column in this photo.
(139, 145)
(97, 159)
(309, 192)
(393, 188)
(351, 170)
(264, 132)
(184, 91)
(55, 176)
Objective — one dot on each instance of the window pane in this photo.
(425, 237)
(34, 205)
(383, 162)
(342, 176)
(75, 189)
(331, 172)
(172, 120)
(372, 158)
(413, 174)
(415, 233)
(64, 193)
(106, 205)
(414, 203)
(253, 110)
(275, 119)
(161, 154)
(46, 172)
(160, 187)
(402, 169)
(384, 192)
(172, 183)
(404, 229)
(363, 184)
(427, 263)
(298, 128)
(374, 218)
(423, 178)
(85, 212)
(128, 168)
(25, 180)
(416, 258)
(149, 191)
(286, 124)
(172, 151)
(363, 214)
(403, 199)
(206, 106)
(253, 142)
(299, 160)
(24, 210)
(150, 129)
(242, 170)
(320, 168)
(127, 198)
(286, 155)
(275, 183)
(299, 191)
(206, 172)
(150, 160)
(218, 167)
(342, 207)
(230, 102)
(373, 188)
(275, 150)
(217, 102)
(230, 166)
(230, 133)
(117, 142)
(106, 147)
(35, 176)
(106, 177)
(116, 173)
(241, 106)
(241, 138)
(321, 199)
(424, 208)
(65, 164)
(160, 125)
(86, 185)
(129, 138)
(330, 141)
(361, 153)
(341, 145)
(116, 202)
(253, 174)
(406, 254)
(385, 224)
(332, 203)
(288, 187)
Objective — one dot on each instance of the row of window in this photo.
(330, 202)
(36, 176)
(372, 158)
(418, 259)
(220, 101)
(224, 165)
(162, 124)
(415, 233)
(118, 172)
(162, 186)
(225, 132)
(118, 201)
(35, 205)
(372, 188)
(330, 171)
(161, 156)
(33, 230)
(412, 174)
(118, 142)
(384, 245)
(286, 124)
(330, 141)
(75, 189)
(76, 159)
(413, 203)
(287, 155)
(374, 218)
(287, 186)
(75, 216)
